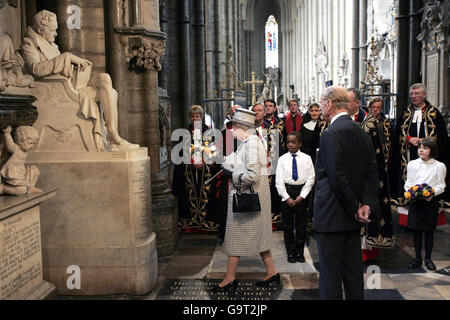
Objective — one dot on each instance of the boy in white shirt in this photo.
(294, 180)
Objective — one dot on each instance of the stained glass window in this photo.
(271, 43)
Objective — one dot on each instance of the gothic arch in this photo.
(249, 24)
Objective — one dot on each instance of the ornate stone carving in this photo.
(12, 3)
(434, 25)
(18, 178)
(147, 55)
(373, 71)
(321, 59)
(343, 75)
(11, 64)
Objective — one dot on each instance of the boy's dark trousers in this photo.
(294, 218)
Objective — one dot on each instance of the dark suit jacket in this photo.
(346, 176)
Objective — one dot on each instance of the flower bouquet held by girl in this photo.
(419, 192)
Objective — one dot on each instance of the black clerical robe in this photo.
(379, 233)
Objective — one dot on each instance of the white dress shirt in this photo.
(340, 114)
(431, 172)
(305, 170)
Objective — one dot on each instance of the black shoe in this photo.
(230, 287)
(300, 258)
(415, 263)
(292, 258)
(276, 279)
(430, 265)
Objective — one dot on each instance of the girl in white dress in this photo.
(423, 214)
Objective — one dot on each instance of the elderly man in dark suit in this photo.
(346, 189)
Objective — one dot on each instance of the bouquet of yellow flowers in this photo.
(419, 192)
(207, 147)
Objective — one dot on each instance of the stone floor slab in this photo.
(422, 293)
(444, 291)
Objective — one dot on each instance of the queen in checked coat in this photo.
(248, 233)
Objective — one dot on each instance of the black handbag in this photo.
(245, 202)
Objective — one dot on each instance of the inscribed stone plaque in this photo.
(140, 207)
(20, 254)
(433, 78)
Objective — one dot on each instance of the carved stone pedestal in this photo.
(100, 221)
(21, 274)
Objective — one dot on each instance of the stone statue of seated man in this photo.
(43, 58)
(11, 64)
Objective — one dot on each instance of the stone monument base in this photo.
(21, 276)
(97, 236)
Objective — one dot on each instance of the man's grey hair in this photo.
(259, 104)
(42, 20)
(356, 92)
(416, 86)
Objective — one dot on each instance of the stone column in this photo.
(414, 45)
(217, 45)
(116, 61)
(164, 22)
(402, 52)
(209, 55)
(362, 40)
(355, 49)
(144, 111)
(185, 51)
(198, 27)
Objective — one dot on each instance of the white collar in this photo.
(297, 153)
(340, 114)
(429, 161)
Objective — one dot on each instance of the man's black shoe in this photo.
(415, 263)
(300, 258)
(430, 265)
(292, 258)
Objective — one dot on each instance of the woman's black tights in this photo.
(428, 243)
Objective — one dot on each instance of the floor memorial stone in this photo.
(201, 289)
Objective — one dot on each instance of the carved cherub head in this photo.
(46, 24)
(26, 138)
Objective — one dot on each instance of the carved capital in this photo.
(143, 51)
(434, 25)
(12, 3)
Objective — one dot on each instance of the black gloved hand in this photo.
(228, 173)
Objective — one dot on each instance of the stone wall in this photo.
(89, 40)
